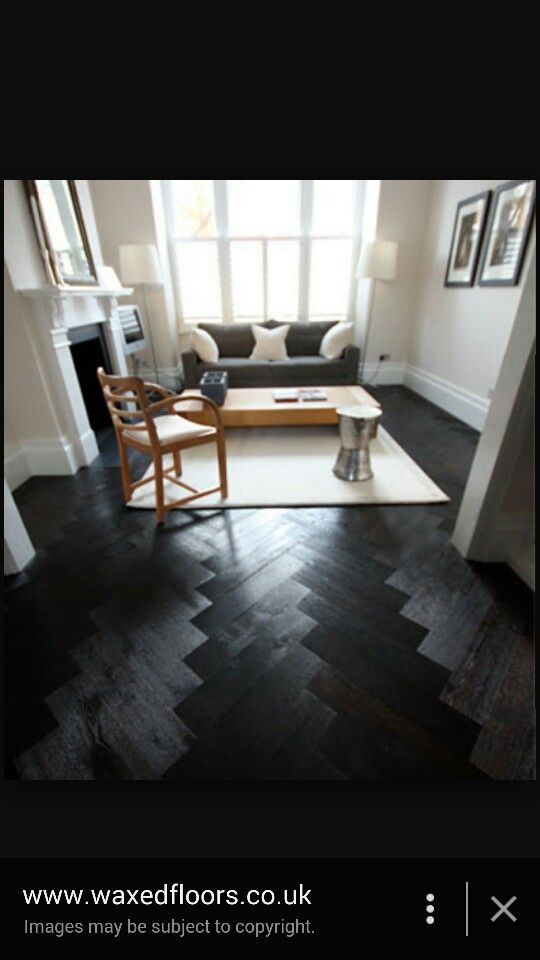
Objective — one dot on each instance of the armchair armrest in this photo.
(351, 359)
(206, 401)
(170, 402)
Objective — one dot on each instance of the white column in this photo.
(507, 427)
(306, 215)
(18, 550)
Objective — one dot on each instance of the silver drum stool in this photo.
(356, 428)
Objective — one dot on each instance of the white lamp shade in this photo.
(139, 263)
(378, 260)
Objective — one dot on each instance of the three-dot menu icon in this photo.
(430, 908)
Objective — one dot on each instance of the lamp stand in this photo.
(368, 329)
(150, 337)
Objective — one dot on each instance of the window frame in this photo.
(223, 240)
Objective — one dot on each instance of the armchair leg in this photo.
(160, 497)
(177, 463)
(124, 469)
(222, 463)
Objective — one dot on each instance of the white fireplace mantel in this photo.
(59, 298)
(57, 310)
(54, 293)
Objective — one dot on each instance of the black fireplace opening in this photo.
(89, 352)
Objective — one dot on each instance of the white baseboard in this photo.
(87, 448)
(385, 374)
(49, 457)
(461, 403)
(16, 466)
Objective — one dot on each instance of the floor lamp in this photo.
(139, 265)
(377, 261)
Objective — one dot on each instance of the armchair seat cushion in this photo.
(170, 428)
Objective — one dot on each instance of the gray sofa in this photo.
(305, 367)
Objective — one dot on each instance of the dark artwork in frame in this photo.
(467, 236)
(507, 234)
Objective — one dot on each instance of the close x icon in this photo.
(503, 909)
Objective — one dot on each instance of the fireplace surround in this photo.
(60, 316)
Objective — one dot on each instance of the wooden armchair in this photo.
(136, 425)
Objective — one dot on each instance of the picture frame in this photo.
(467, 235)
(507, 234)
(61, 232)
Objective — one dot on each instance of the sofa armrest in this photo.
(189, 366)
(352, 358)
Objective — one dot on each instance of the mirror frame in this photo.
(44, 240)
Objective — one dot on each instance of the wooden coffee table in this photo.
(247, 407)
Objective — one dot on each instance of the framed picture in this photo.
(508, 230)
(466, 240)
(61, 232)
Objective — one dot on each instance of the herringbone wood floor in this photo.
(327, 643)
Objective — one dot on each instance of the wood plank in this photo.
(505, 749)
(309, 643)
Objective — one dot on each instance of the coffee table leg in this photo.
(353, 460)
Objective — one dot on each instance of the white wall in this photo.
(21, 248)
(28, 404)
(16, 467)
(37, 422)
(125, 212)
(402, 214)
(364, 288)
(459, 335)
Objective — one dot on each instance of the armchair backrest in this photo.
(127, 400)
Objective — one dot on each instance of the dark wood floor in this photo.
(326, 643)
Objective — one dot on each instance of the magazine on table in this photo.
(290, 395)
(313, 395)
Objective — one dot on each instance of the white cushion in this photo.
(335, 340)
(205, 346)
(170, 428)
(270, 344)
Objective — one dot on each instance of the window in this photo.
(252, 250)
(197, 266)
(194, 209)
(329, 279)
(282, 279)
(264, 208)
(247, 280)
(333, 207)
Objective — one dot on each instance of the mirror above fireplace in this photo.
(61, 232)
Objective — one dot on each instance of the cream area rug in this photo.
(292, 466)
